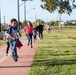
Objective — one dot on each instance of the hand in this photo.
(14, 39)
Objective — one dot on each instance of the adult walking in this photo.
(40, 29)
(29, 32)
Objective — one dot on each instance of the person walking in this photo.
(35, 34)
(13, 38)
(48, 28)
(29, 32)
(7, 40)
(40, 30)
(7, 43)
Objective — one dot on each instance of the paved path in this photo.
(22, 67)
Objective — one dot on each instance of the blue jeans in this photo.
(29, 36)
(13, 45)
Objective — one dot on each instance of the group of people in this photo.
(30, 31)
(12, 35)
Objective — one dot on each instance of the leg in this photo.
(31, 40)
(41, 34)
(28, 36)
(7, 49)
(14, 50)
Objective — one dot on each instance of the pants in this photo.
(14, 48)
(8, 46)
(29, 36)
(40, 34)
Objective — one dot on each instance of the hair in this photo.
(30, 23)
(12, 20)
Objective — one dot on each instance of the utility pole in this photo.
(35, 16)
(4, 20)
(18, 14)
(25, 12)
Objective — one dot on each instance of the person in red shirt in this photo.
(29, 32)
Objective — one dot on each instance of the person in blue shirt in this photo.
(13, 38)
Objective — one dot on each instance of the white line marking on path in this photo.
(8, 55)
(4, 58)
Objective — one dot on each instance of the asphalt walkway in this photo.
(22, 67)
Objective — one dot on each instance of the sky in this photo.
(9, 10)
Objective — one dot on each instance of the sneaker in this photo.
(6, 54)
(15, 59)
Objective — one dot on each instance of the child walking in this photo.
(7, 43)
(13, 38)
(7, 40)
(35, 35)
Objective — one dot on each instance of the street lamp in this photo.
(29, 10)
(25, 9)
(19, 11)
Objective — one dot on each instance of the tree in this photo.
(62, 6)
(24, 23)
(51, 23)
(41, 21)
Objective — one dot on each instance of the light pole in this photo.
(29, 10)
(4, 20)
(18, 14)
(25, 9)
(35, 16)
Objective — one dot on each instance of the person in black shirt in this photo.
(40, 29)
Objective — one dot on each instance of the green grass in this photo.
(56, 54)
(2, 42)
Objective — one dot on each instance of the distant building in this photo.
(62, 22)
(71, 22)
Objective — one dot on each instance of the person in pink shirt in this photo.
(29, 32)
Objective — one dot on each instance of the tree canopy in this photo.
(62, 6)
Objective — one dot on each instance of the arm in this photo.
(9, 34)
(11, 37)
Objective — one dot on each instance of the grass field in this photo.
(56, 54)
